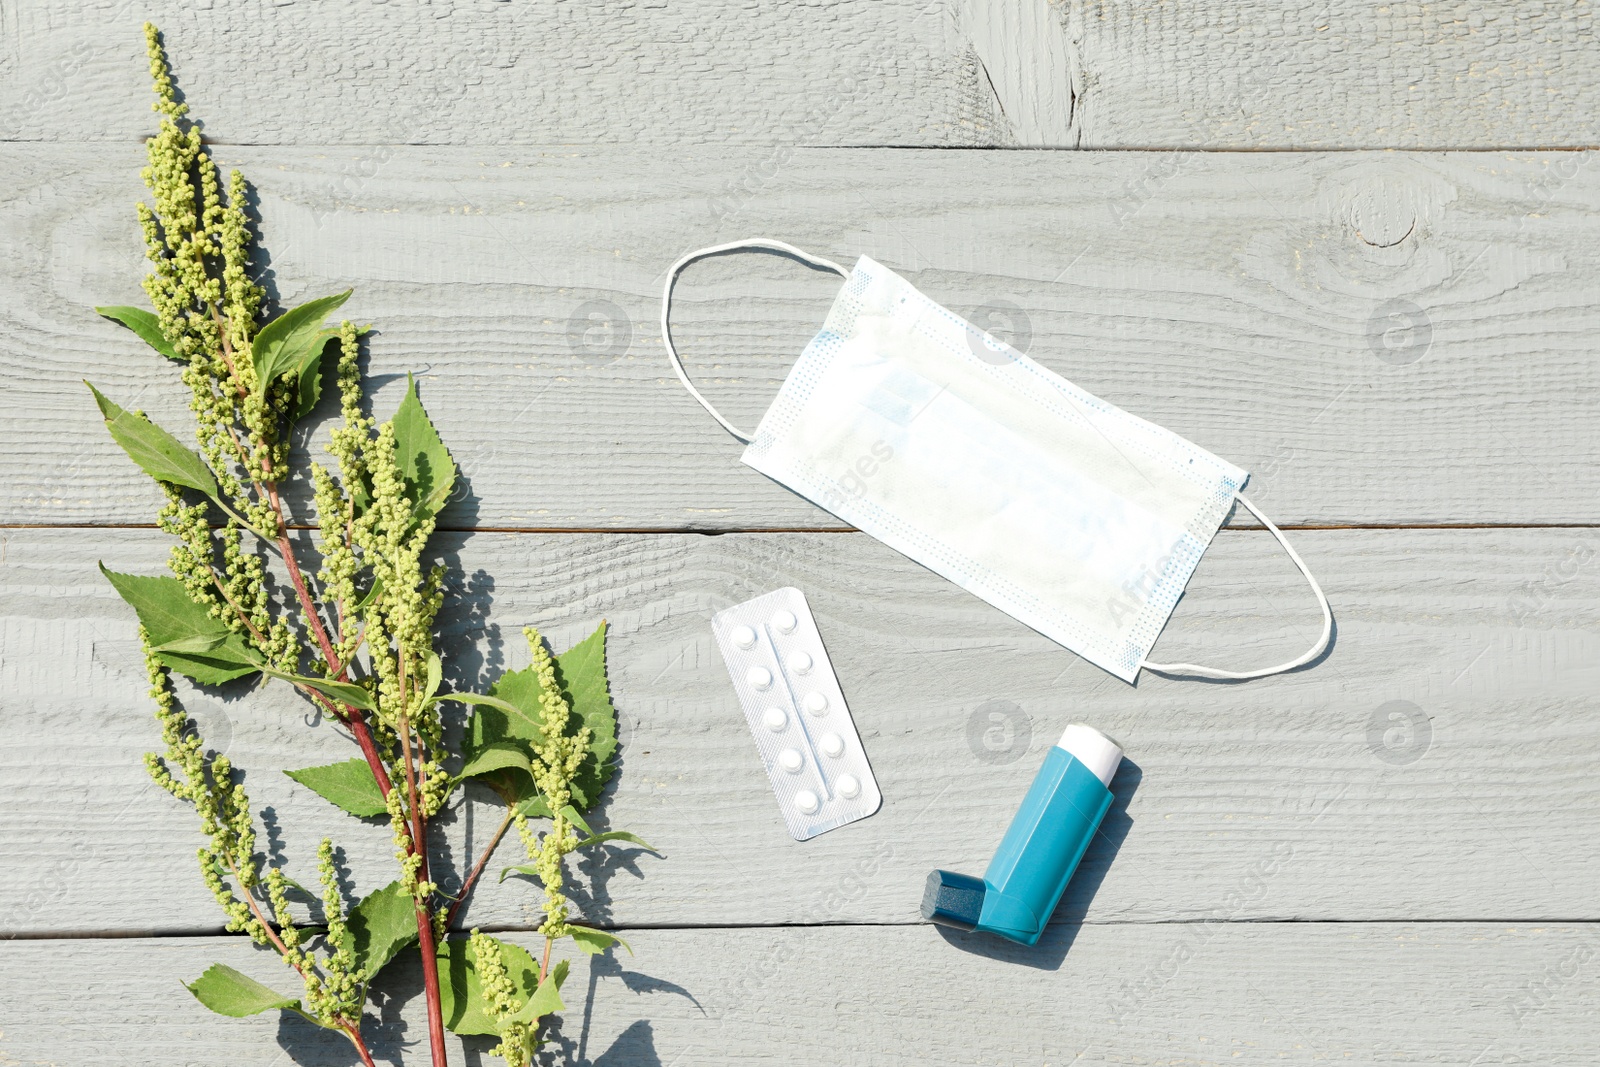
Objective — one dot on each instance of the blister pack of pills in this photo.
(797, 713)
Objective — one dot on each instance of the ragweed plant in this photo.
(357, 638)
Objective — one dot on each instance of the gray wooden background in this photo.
(1353, 247)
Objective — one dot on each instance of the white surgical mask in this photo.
(1064, 511)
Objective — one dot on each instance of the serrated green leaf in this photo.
(383, 923)
(547, 998)
(145, 325)
(227, 992)
(616, 835)
(287, 343)
(595, 941)
(460, 992)
(155, 450)
(172, 620)
(582, 672)
(510, 712)
(348, 786)
(344, 692)
(424, 461)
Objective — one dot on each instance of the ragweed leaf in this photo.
(582, 672)
(383, 923)
(511, 712)
(155, 450)
(435, 673)
(461, 993)
(182, 633)
(344, 692)
(144, 324)
(227, 992)
(194, 643)
(348, 786)
(429, 471)
(594, 941)
(293, 340)
(617, 835)
(499, 757)
(308, 388)
(530, 805)
(521, 868)
(577, 820)
(547, 998)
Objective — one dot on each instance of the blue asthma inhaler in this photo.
(1042, 847)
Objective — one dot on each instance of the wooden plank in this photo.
(421, 72)
(1236, 993)
(1471, 810)
(1306, 74)
(1381, 338)
(1312, 74)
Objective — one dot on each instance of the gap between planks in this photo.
(679, 530)
(175, 933)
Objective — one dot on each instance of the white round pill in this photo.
(791, 760)
(776, 719)
(832, 745)
(807, 801)
(759, 677)
(744, 637)
(784, 622)
(816, 703)
(849, 786)
(800, 662)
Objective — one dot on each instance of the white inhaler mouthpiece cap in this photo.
(1093, 749)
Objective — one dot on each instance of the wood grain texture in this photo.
(1333, 74)
(1381, 338)
(860, 72)
(1473, 811)
(1248, 994)
(1304, 74)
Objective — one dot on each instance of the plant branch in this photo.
(353, 1032)
(352, 716)
(261, 639)
(477, 868)
(419, 843)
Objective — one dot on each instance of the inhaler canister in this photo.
(1047, 838)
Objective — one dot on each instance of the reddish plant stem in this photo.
(430, 985)
(425, 941)
(363, 735)
(353, 1032)
(313, 617)
(544, 967)
(477, 868)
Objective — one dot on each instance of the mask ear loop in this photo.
(1312, 653)
(666, 307)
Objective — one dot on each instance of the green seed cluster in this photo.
(557, 756)
(207, 304)
(340, 992)
(208, 783)
(502, 1003)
